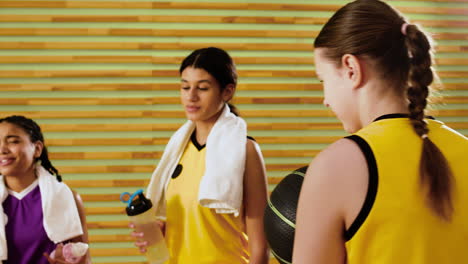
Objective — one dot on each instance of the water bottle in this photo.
(140, 212)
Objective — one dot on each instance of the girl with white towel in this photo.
(210, 185)
(38, 211)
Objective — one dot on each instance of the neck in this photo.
(203, 128)
(376, 104)
(19, 183)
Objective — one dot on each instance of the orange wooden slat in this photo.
(181, 114)
(172, 73)
(164, 140)
(201, 19)
(175, 86)
(176, 100)
(185, 33)
(152, 45)
(164, 114)
(158, 32)
(140, 169)
(214, 5)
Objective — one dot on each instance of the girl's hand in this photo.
(58, 258)
(144, 234)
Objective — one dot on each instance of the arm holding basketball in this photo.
(255, 198)
(330, 194)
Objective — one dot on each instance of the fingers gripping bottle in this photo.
(141, 213)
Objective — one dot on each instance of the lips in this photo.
(6, 161)
(192, 109)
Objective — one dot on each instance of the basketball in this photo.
(280, 215)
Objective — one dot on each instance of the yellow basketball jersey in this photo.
(395, 224)
(195, 234)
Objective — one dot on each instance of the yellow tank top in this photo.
(195, 234)
(395, 225)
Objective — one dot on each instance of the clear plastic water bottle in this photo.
(140, 213)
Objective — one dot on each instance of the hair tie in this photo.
(403, 28)
(423, 136)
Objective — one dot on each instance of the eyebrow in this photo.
(12, 136)
(201, 81)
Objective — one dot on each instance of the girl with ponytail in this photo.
(41, 211)
(396, 190)
(210, 182)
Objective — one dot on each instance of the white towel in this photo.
(221, 186)
(61, 218)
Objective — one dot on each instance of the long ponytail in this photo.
(436, 176)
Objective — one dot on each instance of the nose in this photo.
(192, 94)
(325, 103)
(3, 148)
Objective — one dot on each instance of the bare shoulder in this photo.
(339, 159)
(252, 147)
(339, 173)
(77, 197)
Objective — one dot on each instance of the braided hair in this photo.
(35, 134)
(402, 56)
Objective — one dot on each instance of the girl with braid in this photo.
(38, 212)
(396, 190)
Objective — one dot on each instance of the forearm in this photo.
(259, 256)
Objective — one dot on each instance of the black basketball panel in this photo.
(279, 234)
(285, 196)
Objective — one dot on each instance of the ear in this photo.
(353, 69)
(38, 146)
(228, 92)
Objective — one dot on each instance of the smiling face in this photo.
(201, 95)
(17, 152)
(337, 91)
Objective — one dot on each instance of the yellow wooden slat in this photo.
(165, 19)
(173, 127)
(151, 101)
(107, 183)
(107, 224)
(157, 154)
(100, 197)
(112, 252)
(15, 45)
(106, 141)
(452, 61)
(111, 238)
(105, 210)
(213, 5)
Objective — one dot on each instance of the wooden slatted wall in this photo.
(101, 78)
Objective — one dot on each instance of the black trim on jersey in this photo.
(193, 138)
(397, 115)
(371, 190)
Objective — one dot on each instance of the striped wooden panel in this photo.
(178, 60)
(172, 87)
(101, 78)
(15, 45)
